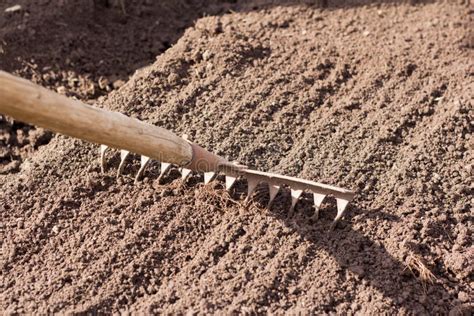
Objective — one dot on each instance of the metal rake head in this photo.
(254, 178)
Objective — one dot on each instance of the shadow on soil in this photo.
(367, 259)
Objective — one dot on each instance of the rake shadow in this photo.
(368, 259)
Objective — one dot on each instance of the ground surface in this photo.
(373, 98)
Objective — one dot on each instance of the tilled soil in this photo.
(373, 98)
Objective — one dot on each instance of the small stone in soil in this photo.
(14, 8)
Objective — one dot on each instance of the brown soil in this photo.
(375, 98)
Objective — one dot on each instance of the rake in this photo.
(36, 105)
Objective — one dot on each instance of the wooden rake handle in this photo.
(28, 102)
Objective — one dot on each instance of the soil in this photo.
(373, 97)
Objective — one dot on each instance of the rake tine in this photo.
(102, 150)
(229, 182)
(123, 157)
(209, 176)
(144, 161)
(252, 183)
(165, 167)
(341, 206)
(273, 189)
(318, 200)
(185, 173)
(295, 195)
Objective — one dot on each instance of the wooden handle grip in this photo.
(27, 102)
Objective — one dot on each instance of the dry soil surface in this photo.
(376, 98)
